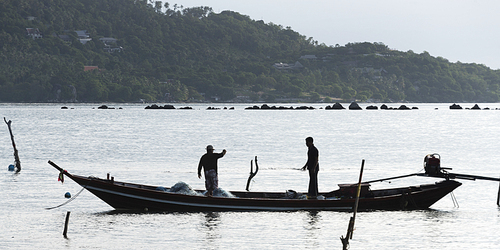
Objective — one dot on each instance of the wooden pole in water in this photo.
(498, 196)
(65, 231)
(350, 228)
(16, 155)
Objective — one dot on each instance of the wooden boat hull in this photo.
(130, 196)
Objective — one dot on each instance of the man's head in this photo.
(309, 141)
(210, 148)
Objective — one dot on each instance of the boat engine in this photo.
(432, 164)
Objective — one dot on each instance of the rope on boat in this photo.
(72, 198)
(68, 201)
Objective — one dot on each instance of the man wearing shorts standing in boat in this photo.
(209, 163)
(312, 165)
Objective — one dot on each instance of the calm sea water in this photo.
(162, 147)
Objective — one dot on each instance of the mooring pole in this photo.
(498, 196)
(350, 228)
(16, 155)
(65, 231)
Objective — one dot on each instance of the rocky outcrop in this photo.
(154, 106)
(267, 107)
(354, 106)
(455, 106)
(335, 106)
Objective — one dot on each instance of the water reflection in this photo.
(312, 226)
(312, 219)
(436, 215)
(211, 223)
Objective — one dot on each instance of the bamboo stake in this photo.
(16, 155)
(498, 196)
(65, 231)
(350, 228)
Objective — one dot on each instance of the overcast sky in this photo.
(458, 30)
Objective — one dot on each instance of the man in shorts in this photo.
(209, 163)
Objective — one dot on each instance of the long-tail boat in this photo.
(130, 196)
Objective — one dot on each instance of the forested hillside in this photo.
(132, 50)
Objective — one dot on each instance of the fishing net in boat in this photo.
(183, 188)
(292, 194)
(219, 192)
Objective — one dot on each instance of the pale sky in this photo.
(458, 30)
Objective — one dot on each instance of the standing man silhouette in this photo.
(312, 165)
(209, 163)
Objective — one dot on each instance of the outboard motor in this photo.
(432, 164)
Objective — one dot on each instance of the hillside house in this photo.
(108, 40)
(34, 33)
(83, 36)
(89, 68)
(288, 66)
(110, 44)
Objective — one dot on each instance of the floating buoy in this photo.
(11, 167)
(67, 195)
